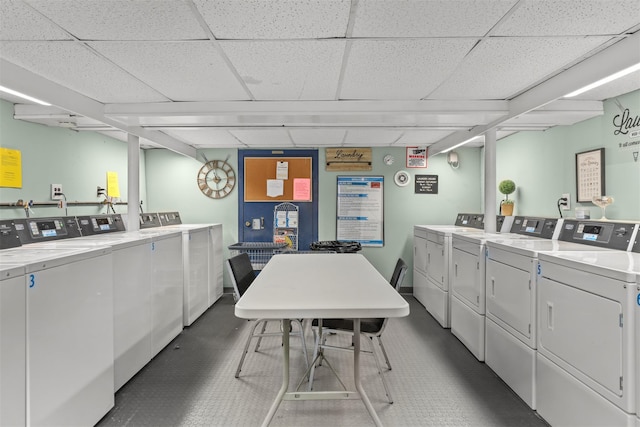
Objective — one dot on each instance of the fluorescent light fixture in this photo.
(459, 145)
(600, 82)
(22, 95)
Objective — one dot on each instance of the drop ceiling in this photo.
(195, 74)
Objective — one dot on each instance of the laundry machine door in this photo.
(510, 299)
(466, 281)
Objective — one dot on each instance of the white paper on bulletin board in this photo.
(360, 207)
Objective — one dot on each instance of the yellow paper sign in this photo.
(113, 189)
(10, 168)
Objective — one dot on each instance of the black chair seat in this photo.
(371, 326)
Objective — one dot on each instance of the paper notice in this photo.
(282, 170)
(275, 187)
(302, 189)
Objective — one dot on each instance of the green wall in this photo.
(171, 182)
(541, 164)
(79, 161)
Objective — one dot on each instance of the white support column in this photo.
(133, 182)
(490, 180)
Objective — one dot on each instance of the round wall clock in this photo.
(216, 179)
(402, 178)
(388, 159)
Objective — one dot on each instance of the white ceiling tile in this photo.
(123, 19)
(400, 69)
(434, 18)
(367, 137)
(18, 21)
(182, 71)
(317, 137)
(419, 138)
(73, 65)
(264, 137)
(205, 137)
(275, 19)
(288, 70)
(571, 17)
(499, 68)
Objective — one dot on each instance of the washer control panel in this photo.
(32, 230)
(470, 220)
(538, 227)
(90, 225)
(149, 220)
(603, 234)
(169, 218)
(8, 236)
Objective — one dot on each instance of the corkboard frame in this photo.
(257, 170)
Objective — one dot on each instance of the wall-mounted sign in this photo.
(360, 210)
(416, 157)
(348, 159)
(426, 184)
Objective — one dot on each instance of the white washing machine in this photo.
(167, 281)
(587, 361)
(69, 333)
(511, 299)
(468, 291)
(432, 268)
(468, 277)
(132, 300)
(13, 345)
(202, 263)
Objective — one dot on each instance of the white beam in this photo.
(22, 80)
(616, 57)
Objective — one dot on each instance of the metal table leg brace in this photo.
(321, 395)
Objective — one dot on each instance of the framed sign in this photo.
(590, 175)
(426, 184)
(416, 157)
(360, 210)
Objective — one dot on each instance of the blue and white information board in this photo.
(360, 210)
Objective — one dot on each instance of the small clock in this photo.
(388, 160)
(402, 178)
(216, 179)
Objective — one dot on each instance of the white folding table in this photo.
(322, 286)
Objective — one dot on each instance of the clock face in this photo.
(216, 179)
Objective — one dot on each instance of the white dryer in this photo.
(431, 264)
(587, 361)
(167, 280)
(511, 300)
(132, 300)
(202, 264)
(69, 333)
(432, 267)
(468, 290)
(13, 345)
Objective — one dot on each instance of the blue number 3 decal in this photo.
(32, 280)
(638, 299)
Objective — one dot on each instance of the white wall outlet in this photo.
(567, 205)
(56, 192)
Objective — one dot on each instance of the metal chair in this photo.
(369, 328)
(242, 276)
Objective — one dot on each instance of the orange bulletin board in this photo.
(259, 170)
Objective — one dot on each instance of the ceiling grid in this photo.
(193, 74)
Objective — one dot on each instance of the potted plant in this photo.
(506, 187)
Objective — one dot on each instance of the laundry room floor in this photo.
(435, 381)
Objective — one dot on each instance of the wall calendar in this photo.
(590, 175)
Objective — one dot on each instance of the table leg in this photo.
(286, 325)
(356, 373)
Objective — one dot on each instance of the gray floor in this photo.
(435, 381)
